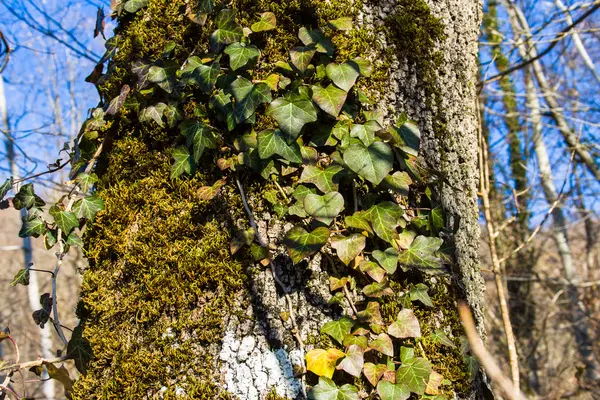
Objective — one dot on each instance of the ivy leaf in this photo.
(6, 186)
(388, 259)
(322, 362)
(267, 22)
(343, 75)
(421, 253)
(33, 225)
(172, 114)
(324, 179)
(360, 341)
(318, 39)
(292, 112)
(376, 289)
(433, 383)
(405, 326)
(364, 67)
(439, 337)
(437, 218)
(301, 243)
(372, 315)
(206, 76)
(372, 163)
(384, 218)
(41, 316)
(272, 142)
(132, 6)
(208, 193)
(326, 389)
(222, 102)
(364, 133)
(348, 248)
(342, 24)
(354, 361)
(419, 293)
(26, 198)
(86, 181)
(389, 391)
(359, 221)
(79, 350)
(248, 97)
(65, 220)
(199, 137)
(399, 182)
(324, 208)
(373, 270)
(184, 162)
(21, 278)
(153, 113)
(228, 30)
(302, 56)
(241, 55)
(338, 329)
(414, 373)
(374, 372)
(330, 99)
(88, 207)
(383, 344)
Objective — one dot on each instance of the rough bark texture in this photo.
(163, 318)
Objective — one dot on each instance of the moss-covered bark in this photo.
(164, 305)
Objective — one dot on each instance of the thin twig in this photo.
(486, 359)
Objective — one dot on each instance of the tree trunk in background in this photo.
(33, 289)
(169, 312)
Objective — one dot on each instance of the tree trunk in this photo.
(167, 309)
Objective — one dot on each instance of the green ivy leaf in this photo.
(198, 137)
(222, 102)
(184, 162)
(385, 218)
(6, 186)
(302, 56)
(421, 253)
(372, 315)
(343, 75)
(153, 113)
(248, 97)
(302, 191)
(440, 338)
(205, 76)
(26, 198)
(405, 326)
(388, 259)
(241, 55)
(399, 182)
(74, 240)
(50, 238)
(86, 181)
(301, 243)
(373, 270)
(348, 248)
(292, 112)
(172, 114)
(414, 373)
(419, 293)
(389, 391)
(372, 163)
(88, 207)
(383, 344)
(437, 218)
(272, 142)
(79, 350)
(354, 361)
(364, 133)
(377, 289)
(338, 329)
(324, 179)
(326, 389)
(342, 24)
(360, 341)
(364, 67)
(324, 208)
(359, 221)
(228, 30)
(267, 22)
(373, 372)
(329, 99)
(132, 6)
(65, 220)
(318, 39)
(21, 278)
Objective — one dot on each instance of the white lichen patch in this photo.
(250, 370)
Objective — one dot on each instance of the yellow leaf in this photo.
(322, 362)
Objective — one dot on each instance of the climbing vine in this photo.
(348, 181)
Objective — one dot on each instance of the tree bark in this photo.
(169, 312)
